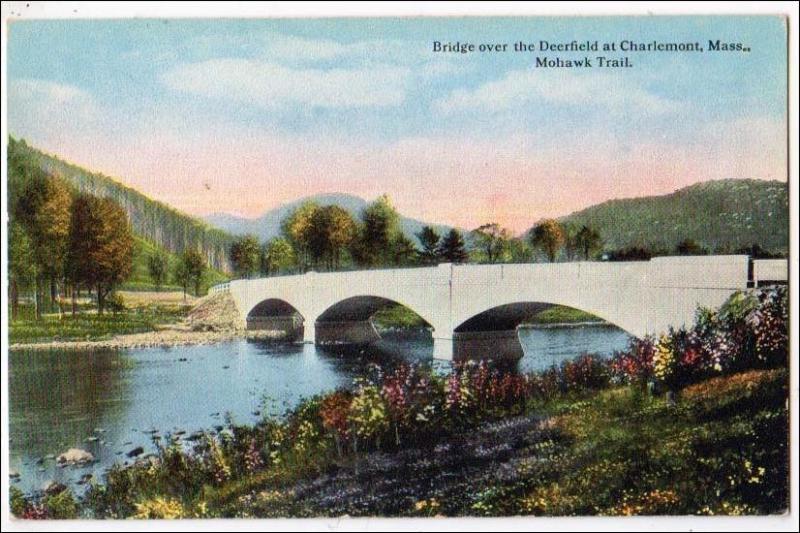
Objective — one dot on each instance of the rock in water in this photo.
(136, 451)
(75, 456)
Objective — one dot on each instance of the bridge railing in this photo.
(222, 287)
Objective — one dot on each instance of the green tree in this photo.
(277, 256)
(380, 227)
(158, 267)
(42, 207)
(331, 231)
(100, 246)
(588, 241)
(520, 251)
(245, 254)
(429, 239)
(452, 249)
(295, 228)
(491, 242)
(548, 236)
(403, 251)
(189, 271)
(21, 266)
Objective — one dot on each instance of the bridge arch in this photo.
(507, 316)
(278, 316)
(349, 320)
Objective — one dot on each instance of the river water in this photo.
(109, 402)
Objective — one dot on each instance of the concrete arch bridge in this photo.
(480, 306)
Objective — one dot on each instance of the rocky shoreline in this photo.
(150, 339)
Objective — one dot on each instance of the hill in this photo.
(153, 221)
(268, 225)
(722, 216)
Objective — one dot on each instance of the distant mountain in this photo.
(721, 215)
(153, 221)
(268, 225)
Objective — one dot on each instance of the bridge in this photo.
(477, 308)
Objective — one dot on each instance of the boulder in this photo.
(136, 451)
(75, 456)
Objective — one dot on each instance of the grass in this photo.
(90, 326)
(559, 314)
(721, 450)
(398, 316)
(140, 276)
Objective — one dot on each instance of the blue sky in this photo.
(242, 115)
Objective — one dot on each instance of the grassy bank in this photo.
(398, 316)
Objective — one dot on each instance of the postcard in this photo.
(393, 267)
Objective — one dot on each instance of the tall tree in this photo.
(158, 268)
(190, 270)
(332, 230)
(21, 265)
(452, 247)
(520, 250)
(277, 256)
(100, 246)
(491, 241)
(42, 207)
(429, 239)
(380, 227)
(548, 236)
(295, 228)
(245, 254)
(588, 241)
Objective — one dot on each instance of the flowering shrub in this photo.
(334, 411)
(368, 414)
(162, 508)
(585, 373)
(634, 365)
(748, 331)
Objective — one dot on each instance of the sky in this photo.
(241, 116)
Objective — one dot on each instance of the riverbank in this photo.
(171, 336)
(612, 451)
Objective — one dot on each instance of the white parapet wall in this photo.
(770, 270)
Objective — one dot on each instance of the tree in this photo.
(277, 256)
(520, 251)
(491, 240)
(403, 251)
(190, 270)
(332, 229)
(452, 247)
(245, 254)
(690, 247)
(295, 228)
(587, 241)
(42, 207)
(429, 239)
(100, 246)
(548, 236)
(158, 267)
(21, 266)
(380, 227)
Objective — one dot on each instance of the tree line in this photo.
(328, 237)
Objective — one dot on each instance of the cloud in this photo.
(270, 85)
(524, 87)
(39, 109)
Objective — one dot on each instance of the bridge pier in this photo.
(475, 345)
(346, 332)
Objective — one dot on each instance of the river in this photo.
(109, 402)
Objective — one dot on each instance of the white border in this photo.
(82, 10)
